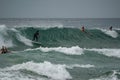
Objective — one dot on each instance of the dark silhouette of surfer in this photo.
(35, 36)
(110, 28)
(4, 50)
(83, 29)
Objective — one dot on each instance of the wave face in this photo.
(65, 53)
(54, 37)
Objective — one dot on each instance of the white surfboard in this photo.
(34, 42)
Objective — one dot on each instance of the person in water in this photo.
(35, 36)
(110, 28)
(83, 29)
(3, 50)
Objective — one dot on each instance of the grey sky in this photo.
(59, 8)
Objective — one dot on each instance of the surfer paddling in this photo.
(35, 36)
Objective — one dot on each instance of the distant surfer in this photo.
(83, 29)
(110, 28)
(35, 36)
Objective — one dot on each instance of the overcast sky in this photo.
(59, 8)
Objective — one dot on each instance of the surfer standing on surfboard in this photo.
(110, 28)
(35, 36)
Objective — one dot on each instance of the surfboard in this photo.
(34, 42)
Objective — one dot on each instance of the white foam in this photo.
(52, 71)
(75, 50)
(81, 66)
(50, 25)
(3, 30)
(16, 75)
(42, 25)
(107, 52)
(14, 30)
(112, 33)
(4, 41)
(117, 28)
(24, 40)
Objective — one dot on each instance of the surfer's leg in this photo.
(33, 38)
(36, 38)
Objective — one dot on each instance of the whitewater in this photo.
(65, 53)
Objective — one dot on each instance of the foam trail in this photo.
(24, 40)
(75, 50)
(112, 33)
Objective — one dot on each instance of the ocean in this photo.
(65, 53)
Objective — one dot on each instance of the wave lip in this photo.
(20, 37)
(42, 26)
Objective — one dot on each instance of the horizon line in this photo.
(59, 18)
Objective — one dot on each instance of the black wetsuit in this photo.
(110, 28)
(35, 37)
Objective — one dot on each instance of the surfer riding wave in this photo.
(35, 36)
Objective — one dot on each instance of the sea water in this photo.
(65, 53)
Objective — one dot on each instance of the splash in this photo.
(4, 40)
